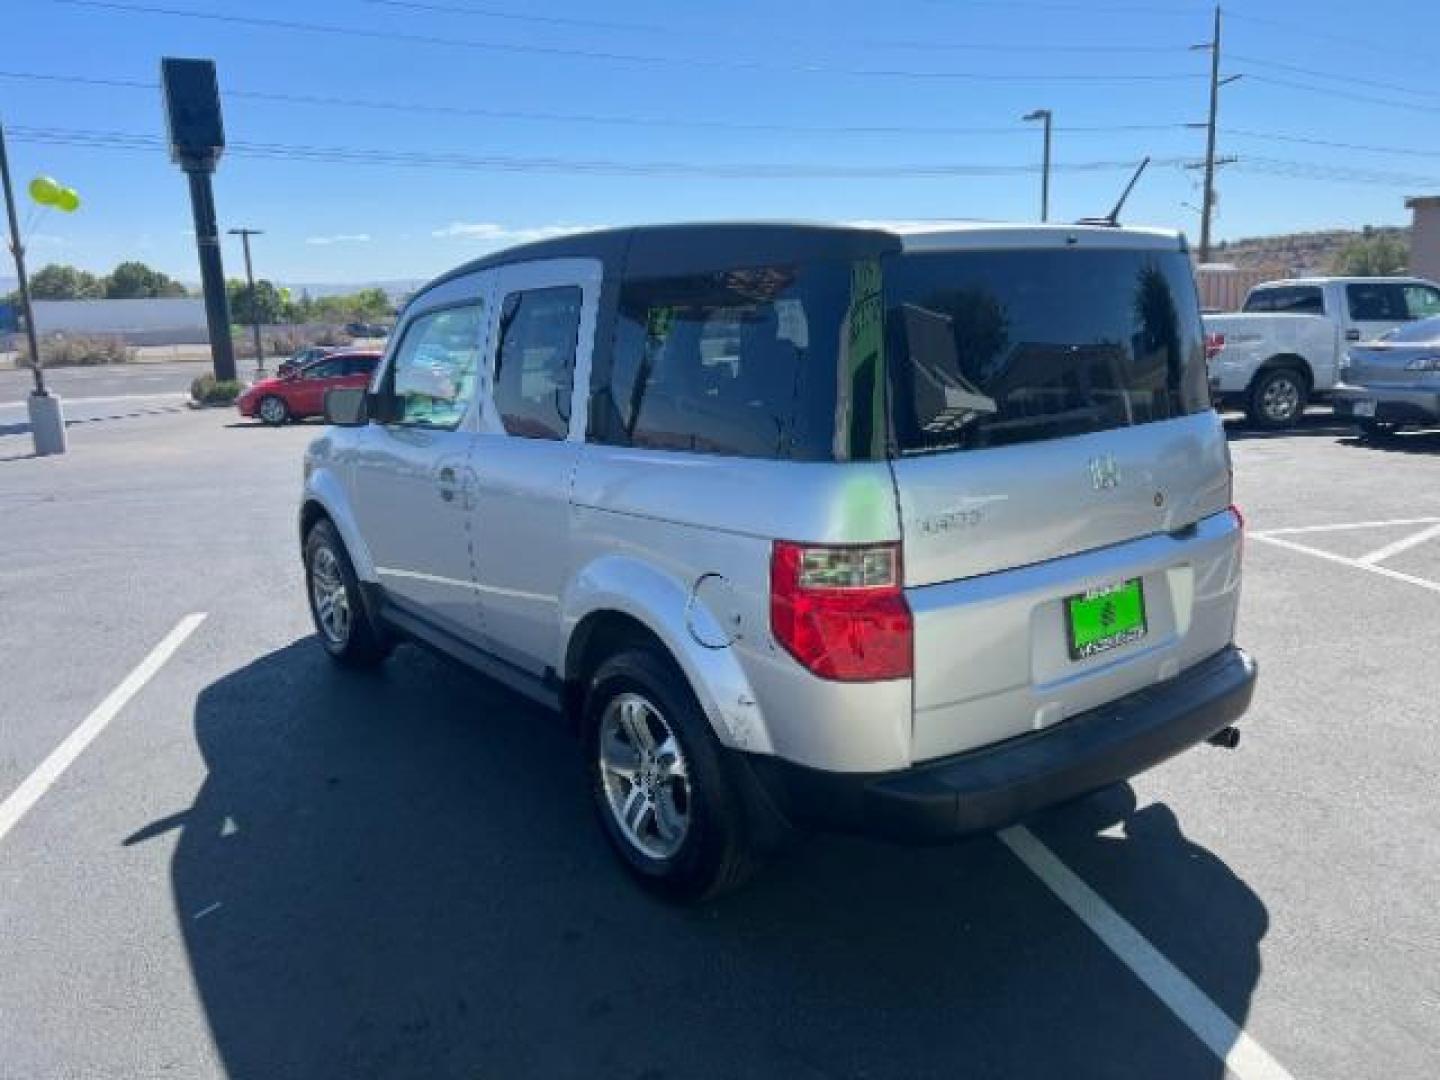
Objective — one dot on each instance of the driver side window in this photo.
(434, 371)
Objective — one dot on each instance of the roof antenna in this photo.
(1112, 219)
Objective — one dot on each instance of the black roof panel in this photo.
(664, 250)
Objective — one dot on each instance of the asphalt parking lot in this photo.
(252, 864)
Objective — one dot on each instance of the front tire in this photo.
(273, 410)
(342, 619)
(1277, 398)
(660, 785)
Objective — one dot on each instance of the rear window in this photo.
(857, 361)
(1287, 300)
(1377, 302)
(995, 348)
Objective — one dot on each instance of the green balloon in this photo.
(45, 190)
(68, 200)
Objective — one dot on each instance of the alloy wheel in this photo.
(645, 776)
(330, 597)
(1280, 400)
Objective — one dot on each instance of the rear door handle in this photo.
(1352, 335)
(447, 484)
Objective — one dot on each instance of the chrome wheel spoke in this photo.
(644, 776)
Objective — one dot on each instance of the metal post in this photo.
(17, 248)
(245, 235)
(212, 271)
(1208, 203)
(1048, 118)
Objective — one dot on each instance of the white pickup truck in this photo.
(1289, 343)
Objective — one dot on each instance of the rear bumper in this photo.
(1393, 404)
(998, 785)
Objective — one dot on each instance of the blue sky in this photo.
(797, 65)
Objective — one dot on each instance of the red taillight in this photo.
(840, 610)
(1214, 345)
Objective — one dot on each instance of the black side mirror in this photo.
(346, 407)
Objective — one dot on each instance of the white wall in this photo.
(176, 319)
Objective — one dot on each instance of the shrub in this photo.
(208, 390)
(80, 352)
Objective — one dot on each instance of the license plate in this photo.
(1364, 408)
(1103, 619)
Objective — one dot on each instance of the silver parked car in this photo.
(1394, 382)
(802, 525)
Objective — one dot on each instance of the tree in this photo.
(60, 282)
(267, 303)
(136, 281)
(1372, 256)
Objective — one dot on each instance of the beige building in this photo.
(1425, 236)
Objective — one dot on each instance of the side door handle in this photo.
(1352, 335)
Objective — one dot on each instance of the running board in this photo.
(423, 632)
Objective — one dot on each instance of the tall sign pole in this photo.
(197, 138)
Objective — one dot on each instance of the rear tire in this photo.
(666, 801)
(273, 410)
(1277, 398)
(342, 619)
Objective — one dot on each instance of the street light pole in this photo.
(1045, 115)
(245, 235)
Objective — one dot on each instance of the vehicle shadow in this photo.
(1403, 442)
(397, 874)
(1323, 424)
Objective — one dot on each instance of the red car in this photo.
(301, 392)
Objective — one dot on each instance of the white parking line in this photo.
(63, 756)
(1404, 544)
(105, 400)
(1343, 527)
(1345, 560)
(1241, 1055)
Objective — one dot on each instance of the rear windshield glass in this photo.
(994, 348)
(1287, 300)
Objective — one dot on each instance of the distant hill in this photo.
(1296, 254)
(396, 288)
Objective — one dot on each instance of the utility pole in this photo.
(245, 235)
(47, 422)
(1045, 115)
(1207, 205)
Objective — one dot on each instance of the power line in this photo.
(121, 140)
(1331, 91)
(1304, 140)
(871, 42)
(617, 56)
(1389, 48)
(586, 118)
(1302, 170)
(1330, 75)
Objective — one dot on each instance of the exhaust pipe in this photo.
(1228, 737)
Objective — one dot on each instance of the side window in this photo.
(535, 362)
(717, 363)
(433, 375)
(360, 365)
(1377, 302)
(1422, 301)
(325, 370)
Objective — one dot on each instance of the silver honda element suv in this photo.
(802, 526)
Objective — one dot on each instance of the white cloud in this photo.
(491, 232)
(339, 238)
